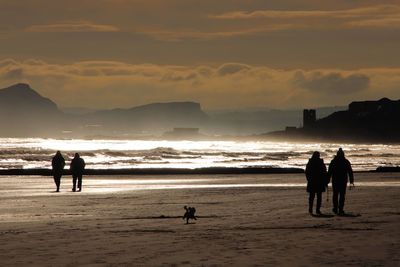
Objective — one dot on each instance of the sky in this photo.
(225, 54)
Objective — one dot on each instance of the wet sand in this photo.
(244, 220)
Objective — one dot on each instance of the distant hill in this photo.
(176, 111)
(24, 112)
(155, 118)
(22, 99)
(375, 121)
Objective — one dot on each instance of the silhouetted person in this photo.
(57, 164)
(317, 180)
(340, 170)
(77, 167)
(189, 214)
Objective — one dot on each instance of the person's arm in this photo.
(350, 171)
(307, 171)
(329, 174)
(324, 171)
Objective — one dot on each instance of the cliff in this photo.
(371, 121)
(24, 112)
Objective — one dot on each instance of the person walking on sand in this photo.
(57, 165)
(77, 166)
(340, 170)
(317, 180)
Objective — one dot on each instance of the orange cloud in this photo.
(177, 35)
(264, 21)
(380, 10)
(72, 26)
(376, 23)
(373, 16)
(109, 84)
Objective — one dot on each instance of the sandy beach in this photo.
(244, 220)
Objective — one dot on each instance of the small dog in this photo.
(189, 214)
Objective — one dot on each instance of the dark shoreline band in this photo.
(158, 171)
(177, 171)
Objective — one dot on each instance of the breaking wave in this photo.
(102, 154)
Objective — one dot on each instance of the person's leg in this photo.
(335, 200)
(311, 202)
(80, 182)
(319, 201)
(74, 183)
(58, 183)
(57, 180)
(342, 200)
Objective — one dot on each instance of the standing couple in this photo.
(77, 166)
(318, 179)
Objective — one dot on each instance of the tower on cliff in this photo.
(309, 117)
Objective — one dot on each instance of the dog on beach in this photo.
(189, 214)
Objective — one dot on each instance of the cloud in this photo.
(332, 83)
(73, 26)
(232, 68)
(109, 84)
(380, 10)
(387, 16)
(13, 74)
(8, 62)
(178, 35)
(265, 21)
(376, 23)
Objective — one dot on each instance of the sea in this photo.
(114, 154)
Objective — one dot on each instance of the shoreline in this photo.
(158, 171)
(179, 171)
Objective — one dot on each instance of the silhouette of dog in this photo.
(189, 214)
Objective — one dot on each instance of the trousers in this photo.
(338, 198)
(311, 200)
(75, 179)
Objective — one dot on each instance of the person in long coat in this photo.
(77, 167)
(341, 172)
(57, 164)
(317, 180)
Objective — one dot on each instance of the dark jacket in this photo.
(58, 164)
(77, 166)
(340, 170)
(316, 175)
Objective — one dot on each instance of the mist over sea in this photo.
(113, 154)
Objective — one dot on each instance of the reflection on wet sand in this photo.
(38, 186)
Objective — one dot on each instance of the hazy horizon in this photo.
(211, 110)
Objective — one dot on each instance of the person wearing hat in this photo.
(341, 172)
(77, 167)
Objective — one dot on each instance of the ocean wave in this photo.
(32, 153)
